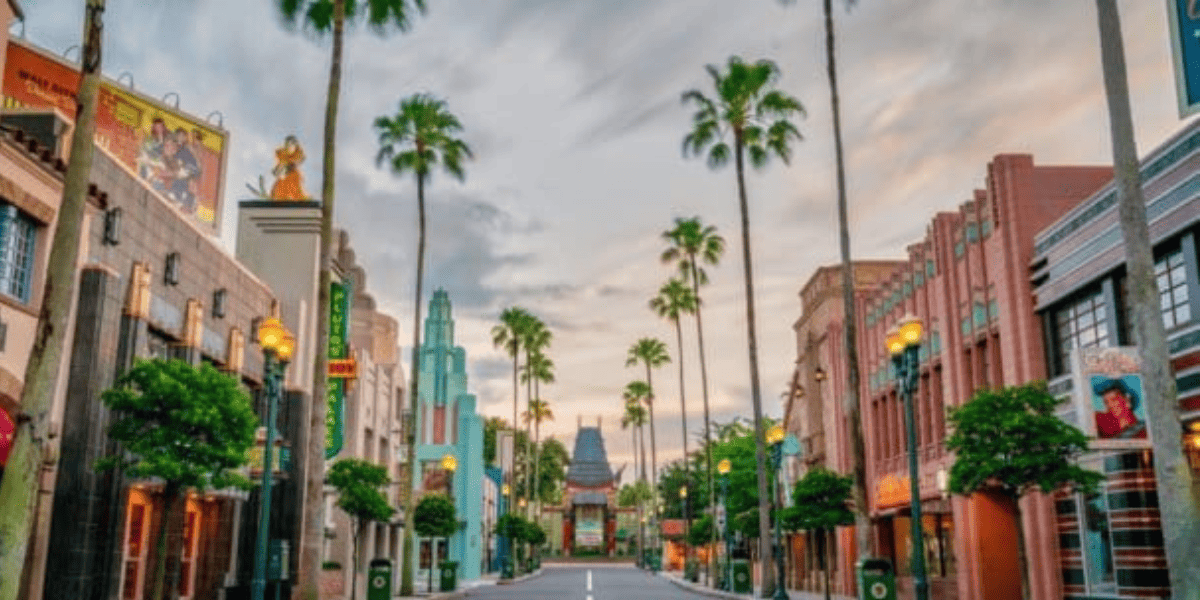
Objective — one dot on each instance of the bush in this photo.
(331, 565)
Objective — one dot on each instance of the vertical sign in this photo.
(339, 321)
(1109, 397)
(1185, 45)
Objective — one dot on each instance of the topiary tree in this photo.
(1010, 441)
(188, 426)
(820, 502)
(512, 526)
(434, 516)
(702, 531)
(357, 483)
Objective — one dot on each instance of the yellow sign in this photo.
(343, 368)
(892, 490)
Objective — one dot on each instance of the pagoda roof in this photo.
(589, 463)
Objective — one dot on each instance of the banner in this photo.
(339, 348)
(179, 156)
(1184, 16)
(1109, 399)
(589, 529)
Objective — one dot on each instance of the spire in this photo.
(439, 326)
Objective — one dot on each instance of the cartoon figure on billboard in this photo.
(288, 184)
(149, 160)
(1118, 410)
(167, 162)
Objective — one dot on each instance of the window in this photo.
(18, 239)
(1082, 323)
(1171, 273)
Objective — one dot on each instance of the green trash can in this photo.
(379, 579)
(449, 578)
(742, 584)
(876, 580)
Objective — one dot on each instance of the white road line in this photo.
(589, 582)
(589, 597)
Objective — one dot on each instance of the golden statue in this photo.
(288, 184)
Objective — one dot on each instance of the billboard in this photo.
(1109, 399)
(179, 156)
(589, 526)
(339, 348)
(1184, 16)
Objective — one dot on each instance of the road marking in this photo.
(589, 582)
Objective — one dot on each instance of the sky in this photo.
(572, 109)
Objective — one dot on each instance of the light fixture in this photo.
(724, 466)
(285, 346)
(171, 272)
(1195, 426)
(895, 343)
(270, 333)
(112, 226)
(504, 489)
(910, 328)
(683, 492)
(775, 435)
(449, 463)
(819, 374)
(218, 303)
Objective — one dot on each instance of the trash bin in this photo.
(449, 569)
(379, 579)
(506, 570)
(741, 577)
(876, 580)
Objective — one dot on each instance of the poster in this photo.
(589, 527)
(1184, 17)
(339, 336)
(1110, 400)
(179, 156)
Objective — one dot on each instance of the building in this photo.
(448, 425)
(813, 410)
(373, 427)
(1111, 543)
(589, 522)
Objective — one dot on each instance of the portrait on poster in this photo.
(1109, 395)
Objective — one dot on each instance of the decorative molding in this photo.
(137, 304)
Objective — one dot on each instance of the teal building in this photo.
(448, 425)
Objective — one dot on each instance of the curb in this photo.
(519, 579)
(703, 589)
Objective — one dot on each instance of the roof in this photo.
(589, 463)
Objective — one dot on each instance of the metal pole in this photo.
(907, 363)
(776, 462)
(725, 534)
(258, 585)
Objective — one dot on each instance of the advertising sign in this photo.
(1109, 397)
(339, 347)
(589, 528)
(180, 157)
(1184, 16)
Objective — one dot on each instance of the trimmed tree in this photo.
(189, 427)
(820, 502)
(357, 483)
(1010, 441)
(434, 516)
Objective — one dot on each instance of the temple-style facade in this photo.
(590, 501)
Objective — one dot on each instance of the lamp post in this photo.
(903, 343)
(507, 570)
(723, 468)
(449, 464)
(683, 497)
(774, 439)
(277, 346)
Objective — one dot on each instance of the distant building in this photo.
(589, 504)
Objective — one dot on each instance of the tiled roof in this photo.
(589, 463)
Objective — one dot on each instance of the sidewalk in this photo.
(461, 592)
(677, 579)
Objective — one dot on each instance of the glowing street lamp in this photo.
(723, 468)
(277, 347)
(903, 343)
(774, 438)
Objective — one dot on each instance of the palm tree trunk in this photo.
(1178, 492)
(313, 525)
(512, 488)
(703, 387)
(687, 474)
(414, 396)
(637, 497)
(537, 434)
(760, 456)
(863, 533)
(19, 490)
(529, 432)
(656, 529)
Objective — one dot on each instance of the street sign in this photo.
(1185, 46)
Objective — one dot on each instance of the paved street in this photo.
(586, 582)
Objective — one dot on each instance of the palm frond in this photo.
(718, 156)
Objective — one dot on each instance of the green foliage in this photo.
(491, 427)
(631, 494)
(419, 136)
(533, 533)
(1011, 439)
(692, 243)
(357, 482)
(435, 516)
(318, 14)
(649, 351)
(702, 530)
(820, 500)
(189, 426)
(553, 460)
(515, 527)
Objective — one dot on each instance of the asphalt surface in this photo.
(585, 582)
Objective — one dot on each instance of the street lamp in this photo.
(687, 521)
(903, 342)
(277, 346)
(723, 468)
(774, 438)
(507, 571)
(449, 464)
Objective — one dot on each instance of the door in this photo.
(191, 544)
(134, 544)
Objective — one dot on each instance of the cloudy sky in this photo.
(572, 108)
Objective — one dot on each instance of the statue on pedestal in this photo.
(289, 184)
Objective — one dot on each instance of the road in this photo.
(586, 582)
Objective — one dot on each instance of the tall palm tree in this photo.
(652, 353)
(642, 392)
(691, 243)
(749, 113)
(537, 339)
(539, 369)
(1178, 487)
(18, 492)
(635, 417)
(539, 411)
(418, 138)
(509, 335)
(330, 16)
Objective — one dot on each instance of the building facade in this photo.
(589, 522)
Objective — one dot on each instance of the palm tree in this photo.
(330, 16)
(635, 417)
(537, 339)
(1177, 486)
(653, 354)
(18, 492)
(419, 137)
(509, 335)
(541, 370)
(693, 242)
(539, 411)
(748, 109)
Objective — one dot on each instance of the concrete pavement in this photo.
(677, 579)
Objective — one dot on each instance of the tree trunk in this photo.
(354, 559)
(863, 534)
(537, 434)
(656, 530)
(313, 526)
(703, 386)
(687, 474)
(1178, 492)
(825, 552)
(166, 548)
(414, 397)
(1022, 555)
(760, 457)
(529, 432)
(19, 490)
(638, 497)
